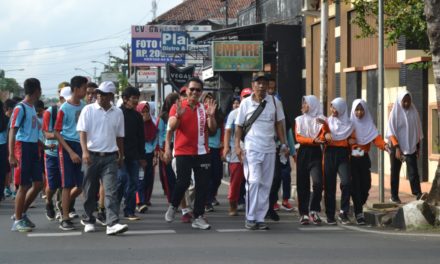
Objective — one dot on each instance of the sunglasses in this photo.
(195, 90)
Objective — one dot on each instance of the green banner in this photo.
(237, 55)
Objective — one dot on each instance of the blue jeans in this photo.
(127, 185)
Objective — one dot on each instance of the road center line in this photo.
(54, 234)
(320, 228)
(150, 232)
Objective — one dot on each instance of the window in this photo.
(434, 133)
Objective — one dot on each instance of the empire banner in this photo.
(178, 76)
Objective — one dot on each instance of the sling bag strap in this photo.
(248, 123)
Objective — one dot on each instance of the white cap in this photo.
(66, 92)
(107, 87)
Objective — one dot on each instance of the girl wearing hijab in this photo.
(405, 134)
(145, 186)
(338, 136)
(366, 133)
(309, 134)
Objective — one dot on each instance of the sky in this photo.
(49, 39)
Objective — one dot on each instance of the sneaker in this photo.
(186, 218)
(58, 206)
(273, 215)
(170, 214)
(250, 225)
(360, 219)
(304, 220)
(73, 214)
(142, 209)
(285, 205)
(20, 226)
(67, 225)
(343, 218)
(314, 216)
(7, 192)
(395, 200)
(215, 202)
(132, 217)
(241, 207)
(88, 227)
(262, 226)
(101, 218)
(50, 212)
(209, 208)
(276, 207)
(200, 223)
(28, 221)
(58, 216)
(116, 229)
(331, 221)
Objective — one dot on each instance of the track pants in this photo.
(360, 181)
(258, 170)
(336, 161)
(309, 164)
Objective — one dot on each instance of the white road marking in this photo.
(150, 232)
(320, 228)
(54, 234)
(232, 230)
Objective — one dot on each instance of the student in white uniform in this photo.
(405, 134)
(259, 152)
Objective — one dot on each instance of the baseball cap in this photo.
(183, 89)
(66, 92)
(107, 87)
(259, 75)
(245, 91)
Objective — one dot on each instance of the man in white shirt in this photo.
(101, 128)
(258, 156)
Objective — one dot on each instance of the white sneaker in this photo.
(89, 228)
(170, 214)
(200, 223)
(116, 229)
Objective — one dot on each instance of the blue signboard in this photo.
(174, 41)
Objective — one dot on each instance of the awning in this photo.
(256, 31)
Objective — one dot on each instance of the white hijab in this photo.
(405, 125)
(340, 126)
(365, 129)
(306, 124)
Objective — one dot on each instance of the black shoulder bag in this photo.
(248, 123)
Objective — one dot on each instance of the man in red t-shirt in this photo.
(191, 121)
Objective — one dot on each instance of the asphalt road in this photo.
(152, 240)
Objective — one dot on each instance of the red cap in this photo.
(245, 91)
(183, 90)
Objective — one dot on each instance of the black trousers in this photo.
(201, 165)
(309, 164)
(360, 181)
(411, 170)
(336, 161)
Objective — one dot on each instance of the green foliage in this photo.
(123, 82)
(9, 84)
(403, 18)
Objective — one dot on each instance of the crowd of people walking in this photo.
(86, 146)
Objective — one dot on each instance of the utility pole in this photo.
(380, 97)
(226, 13)
(94, 75)
(323, 57)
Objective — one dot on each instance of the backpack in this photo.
(53, 115)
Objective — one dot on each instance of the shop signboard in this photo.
(237, 55)
(178, 76)
(146, 46)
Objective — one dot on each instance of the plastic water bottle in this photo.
(283, 158)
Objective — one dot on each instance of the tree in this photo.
(10, 85)
(419, 22)
(402, 18)
(432, 13)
